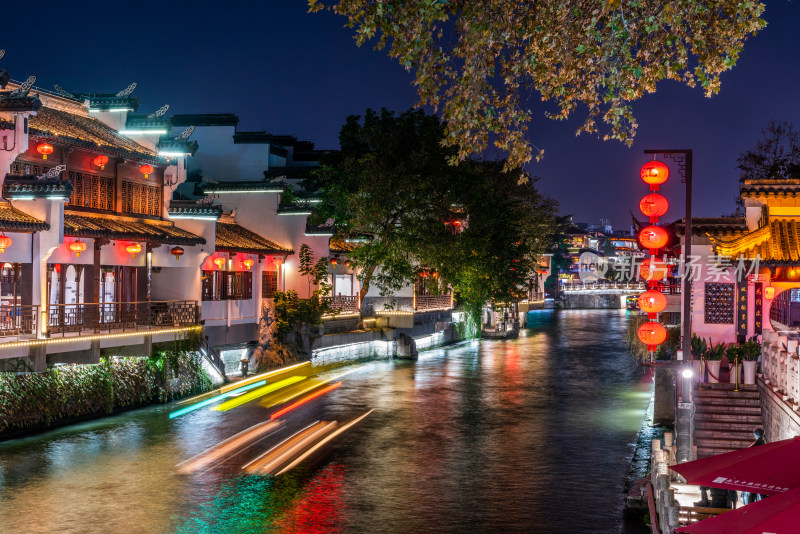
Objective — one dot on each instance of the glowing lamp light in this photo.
(652, 269)
(652, 334)
(769, 293)
(133, 249)
(334, 261)
(5, 242)
(177, 252)
(147, 170)
(248, 263)
(44, 149)
(348, 263)
(653, 237)
(278, 262)
(654, 205)
(219, 262)
(100, 161)
(687, 373)
(652, 301)
(77, 247)
(654, 173)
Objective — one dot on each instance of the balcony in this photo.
(73, 320)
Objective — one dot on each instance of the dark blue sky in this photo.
(287, 71)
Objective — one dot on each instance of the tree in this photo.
(387, 189)
(775, 156)
(494, 255)
(478, 61)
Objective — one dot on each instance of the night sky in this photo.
(289, 72)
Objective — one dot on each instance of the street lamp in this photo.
(684, 414)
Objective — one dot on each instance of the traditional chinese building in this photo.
(746, 270)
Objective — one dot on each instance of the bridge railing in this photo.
(594, 286)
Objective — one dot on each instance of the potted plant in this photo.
(698, 348)
(713, 357)
(750, 352)
(734, 355)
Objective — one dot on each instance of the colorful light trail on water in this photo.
(260, 392)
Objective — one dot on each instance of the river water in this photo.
(530, 435)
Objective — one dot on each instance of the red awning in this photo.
(775, 515)
(766, 469)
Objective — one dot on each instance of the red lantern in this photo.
(654, 206)
(44, 149)
(348, 263)
(248, 263)
(652, 334)
(652, 269)
(177, 252)
(219, 262)
(653, 237)
(769, 292)
(654, 173)
(133, 249)
(57, 268)
(77, 247)
(147, 170)
(278, 262)
(5, 242)
(652, 301)
(100, 161)
(334, 261)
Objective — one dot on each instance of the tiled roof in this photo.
(6, 125)
(714, 226)
(777, 242)
(340, 246)
(182, 146)
(230, 237)
(86, 132)
(13, 220)
(190, 208)
(105, 102)
(143, 122)
(776, 187)
(18, 102)
(260, 186)
(129, 228)
(32, 186)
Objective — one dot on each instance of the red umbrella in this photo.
(773, 515)
(767, 469)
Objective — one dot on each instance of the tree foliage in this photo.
(478, 62)
(775, 156)
(472, 224)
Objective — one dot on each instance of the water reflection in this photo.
(531, 435)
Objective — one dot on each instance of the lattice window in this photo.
(719, 303)
(141, 199)
(269, 284)
(222, 285)
(92, 191)
(22, 168)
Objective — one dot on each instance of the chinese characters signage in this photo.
(758, 306)
(741, 309)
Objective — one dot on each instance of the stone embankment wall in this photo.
(432, 329)
(779, 418)
(609, 299)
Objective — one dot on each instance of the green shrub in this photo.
(33, 401)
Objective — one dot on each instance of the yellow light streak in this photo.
(282, 400)
(256, 393)
(262, 376)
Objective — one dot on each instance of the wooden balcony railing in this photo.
(108, 316)
(433, 302)
(18, 320)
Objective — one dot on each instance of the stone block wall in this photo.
(780, 420)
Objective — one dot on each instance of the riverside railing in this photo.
(95, 318)
(780, 364)
(344, 304)
(433, 302)
(594, 286)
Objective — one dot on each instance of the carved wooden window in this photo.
(719, 303)
(92, 191)
(269, 284)
(223, 285)
(141, 199)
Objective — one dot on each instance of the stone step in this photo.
(729, 444)
(724, 394)
(713, 401)
(746, 435)
(721, 409)
(717, 417)
(710, 424)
